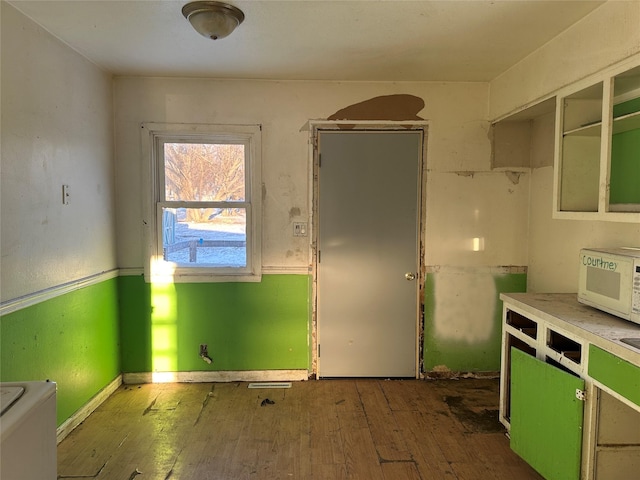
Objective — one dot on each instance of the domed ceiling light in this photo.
(213, 20)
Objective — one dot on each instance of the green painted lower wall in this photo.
(246, 326)
(84, 339)
(72, 340)
(463, 336)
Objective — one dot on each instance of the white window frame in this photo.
(154, 136)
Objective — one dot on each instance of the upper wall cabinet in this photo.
(597, 156)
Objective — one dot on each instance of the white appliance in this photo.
(609, 279)
(28, 431)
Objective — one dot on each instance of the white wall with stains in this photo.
(57, 129)
(460, 206)
(477, 218)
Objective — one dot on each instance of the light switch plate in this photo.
(299, 229)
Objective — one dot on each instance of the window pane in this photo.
(204, 172)
(211, 237)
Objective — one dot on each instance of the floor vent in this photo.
(270, 385)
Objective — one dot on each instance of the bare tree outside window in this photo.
(204, 235)
(204, 173)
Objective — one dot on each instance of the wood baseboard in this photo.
(81, 414)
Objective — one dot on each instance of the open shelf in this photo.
(591, 130)
(565, 346)
(523, 324)
(627, 122)
(558, 365)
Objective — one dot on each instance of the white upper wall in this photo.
(607, 35)
(610, 34)
(458, 143)
(57, 129)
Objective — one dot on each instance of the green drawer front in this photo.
(617, 374)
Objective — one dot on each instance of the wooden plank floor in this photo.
(327, 429)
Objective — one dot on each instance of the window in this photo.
(203, 214)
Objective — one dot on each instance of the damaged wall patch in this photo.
(386, 107)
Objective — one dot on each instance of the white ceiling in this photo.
(377, 40)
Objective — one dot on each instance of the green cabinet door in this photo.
(546, 417)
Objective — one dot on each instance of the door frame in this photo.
(316, 126)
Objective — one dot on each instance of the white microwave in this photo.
(609, 280)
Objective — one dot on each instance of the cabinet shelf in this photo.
(565, 346)
(590, 130)
(621, 124)
(574, 356)
(627, 122)
(624, 207)
(522, 324)
(560, 365)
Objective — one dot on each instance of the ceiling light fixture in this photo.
(213, 20)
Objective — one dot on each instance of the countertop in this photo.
(596, 327)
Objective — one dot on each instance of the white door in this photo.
(368, 259)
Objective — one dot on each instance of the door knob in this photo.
(410, 276)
